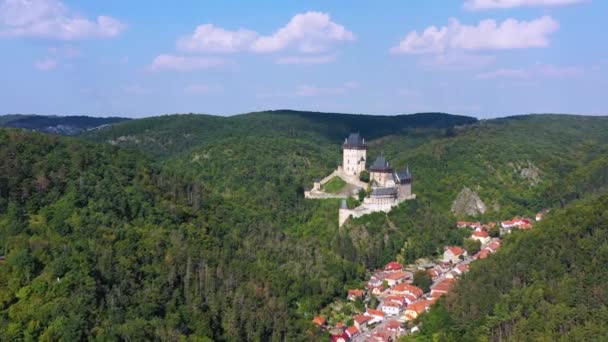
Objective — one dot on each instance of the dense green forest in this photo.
(548, 284)
(65, 125)
(196, 226)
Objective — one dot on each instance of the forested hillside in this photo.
(196, 225)
(548, 284)
(64, 125)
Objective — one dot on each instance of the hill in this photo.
(195, 225)
(64, 125)
(545, 284)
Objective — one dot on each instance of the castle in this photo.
(387, 188)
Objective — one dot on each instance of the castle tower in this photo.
(381, 172)
(354, 154)
(403, 179)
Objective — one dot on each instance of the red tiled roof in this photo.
(443, 286)
(494, 245)
(484, 253)
(481, 234)
(373, 312)
(355, 293)
(393, 325)
(392, 266)
(319, 320)
(392, 304)
(463, 268)
(419, 307)
(397, 275)
(362, 319)
(352, 331)
(403, 287)
(455, 250)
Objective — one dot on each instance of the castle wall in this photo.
(351, 163)
(384, 179)
(405, 190)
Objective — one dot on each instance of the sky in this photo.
(485, 58)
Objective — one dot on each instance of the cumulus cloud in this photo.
(52, 19)
(46, 64)
(209, 38)
(310, 32)
(322, 59)
(487, 35)
(543, 70)
(181, 63)
(502, 4)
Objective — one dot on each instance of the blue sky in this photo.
(485, 58)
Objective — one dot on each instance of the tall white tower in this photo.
(354, 154)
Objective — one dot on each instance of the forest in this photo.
(195, 227)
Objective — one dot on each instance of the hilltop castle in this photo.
(385, 190)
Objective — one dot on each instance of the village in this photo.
(390, 302)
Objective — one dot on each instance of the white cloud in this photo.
(502, 4)
(487, 35)
(307, 90)
(46, 64)
(543, 70)
(322, 59)
(180, 63)
(209, 38)
(52, 19)
(310, 32)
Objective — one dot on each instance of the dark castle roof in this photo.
(381, 192)
(355, 140)
(403, 176)
(381, 165)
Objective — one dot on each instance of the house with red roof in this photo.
(453, 253)
(352, 332)
(461, 269)
(398, 277)
(362, 321)
(391, 308)
(319, 321)
(393, 266)
(354, 294)
(340, 337)
(377, 316)
(405, 288)
(442, 288)
(481, 236)
(413, 310)
(482, 254)
(494, 246)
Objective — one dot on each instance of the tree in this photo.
(495, 232)
(423, 280)
(362, 194)
(364, 176)
(472, 246)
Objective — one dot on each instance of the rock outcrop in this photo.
(468, 203)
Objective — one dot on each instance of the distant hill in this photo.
(168, 135)
(195, 226)
(64, 125)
